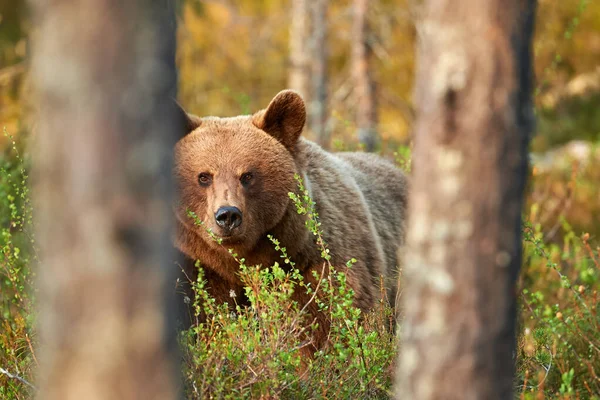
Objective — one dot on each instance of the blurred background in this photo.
(354, 64)
(234, 55)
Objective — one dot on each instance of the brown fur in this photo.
(360, 198)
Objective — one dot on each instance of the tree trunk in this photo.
(105, 73)
(299, 78)
(364, 85)
(318, 105)
(475, 116)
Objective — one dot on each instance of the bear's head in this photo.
(235, 173)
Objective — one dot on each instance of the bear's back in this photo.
(385, 188)
(361, 200)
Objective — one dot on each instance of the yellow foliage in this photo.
(234, 55)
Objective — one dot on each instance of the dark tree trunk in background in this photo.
(364, 85)
(105, 72)
(299, 77)
(317, 111)
(475, 117)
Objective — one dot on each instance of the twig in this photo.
(31, 348)
(11, 376)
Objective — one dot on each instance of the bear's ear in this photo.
(187, 122)
(284, 118)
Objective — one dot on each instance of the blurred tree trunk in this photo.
(364, 85)
(105, 72)
(299, 78)
(475, 117)
(317, 113)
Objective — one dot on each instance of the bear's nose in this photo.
(228, 217)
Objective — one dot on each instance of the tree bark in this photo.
(299, 78)
(364, 85)
(475, 116)
(105, 74)
(317, 113)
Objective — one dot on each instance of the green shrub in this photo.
(16, 243)
(559, 342)
(255, 351)
(266, 360)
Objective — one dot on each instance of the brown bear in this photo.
(235, 175)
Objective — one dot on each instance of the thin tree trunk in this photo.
(473, 96)
(105, 72)
(318, 105)
(364, 85)
(299, 78)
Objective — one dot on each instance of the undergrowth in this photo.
(266, 361)
(255, 351)
(17, 356)
(559, 341)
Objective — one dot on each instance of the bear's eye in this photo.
(246, 178)
(204, 179)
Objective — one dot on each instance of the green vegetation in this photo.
(255, 351)
(559, 339)
(16, 276)
(267, 359)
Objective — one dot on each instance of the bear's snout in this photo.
(228, 218)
